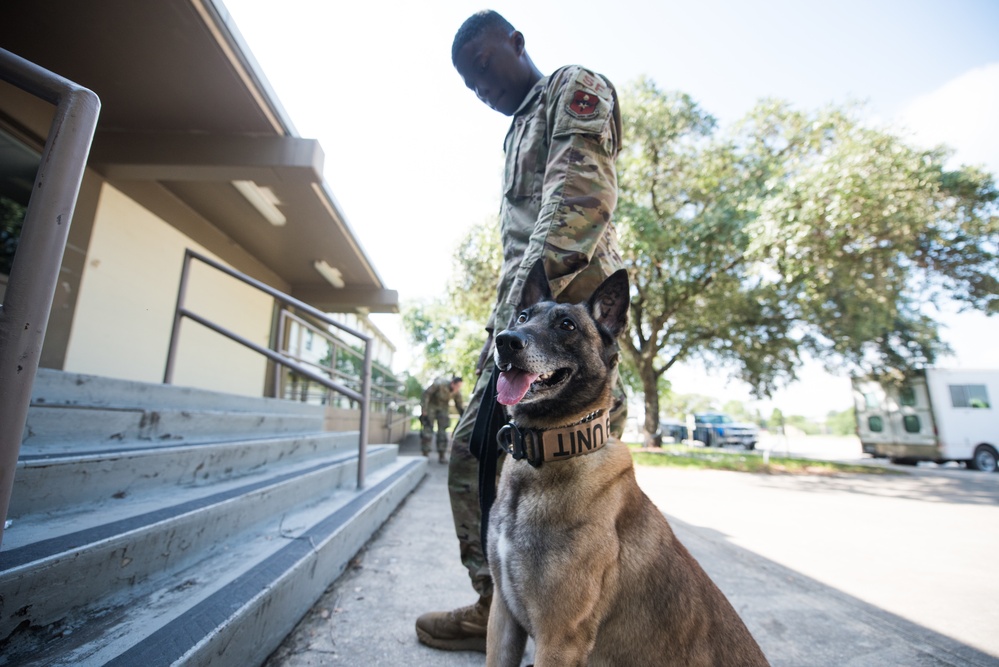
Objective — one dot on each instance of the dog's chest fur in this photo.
(553, 524)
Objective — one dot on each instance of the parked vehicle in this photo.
(936, 415)
(673, 428)
(715, 429)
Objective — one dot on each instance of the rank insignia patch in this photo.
(584, 103)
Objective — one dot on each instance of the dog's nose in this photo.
(510, 340)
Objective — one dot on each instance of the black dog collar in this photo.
(555, 444)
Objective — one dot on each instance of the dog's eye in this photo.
(567, 325)
(522, 318)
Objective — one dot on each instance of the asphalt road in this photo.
(922, 544)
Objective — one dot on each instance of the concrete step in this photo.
(54, 387)
(78, 413)
(56, 430)
(232, 605)
(47, 481)
(155, 525)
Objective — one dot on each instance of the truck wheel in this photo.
(751, 446)
(985, 459)
(902, 461)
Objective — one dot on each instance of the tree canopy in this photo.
(448, 332)
(792, 234)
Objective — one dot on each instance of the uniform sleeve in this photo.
(580, 182)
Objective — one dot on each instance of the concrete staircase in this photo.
(156, 525)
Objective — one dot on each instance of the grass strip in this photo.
(710, 458)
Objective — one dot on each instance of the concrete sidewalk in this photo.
(411, 566)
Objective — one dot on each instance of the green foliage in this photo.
(448, 333)
(475, 273)
(412, 387)
(792, 234)
(803, 424)
(681, 456)
(842, 423)
(737, 411)
(681, 405)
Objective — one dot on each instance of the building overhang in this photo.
(186, 115)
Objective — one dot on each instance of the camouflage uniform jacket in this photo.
(560, 188)
(438, 395)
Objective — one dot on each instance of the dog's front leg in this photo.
(565, 646)
(505, 637)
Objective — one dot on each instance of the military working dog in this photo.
(581, 559)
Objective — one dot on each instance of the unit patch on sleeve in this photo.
(583, 103)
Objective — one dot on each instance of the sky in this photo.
(414, 159)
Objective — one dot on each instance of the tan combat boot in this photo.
(462, 629)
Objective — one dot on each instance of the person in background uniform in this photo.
(559, 191)
(434, 406)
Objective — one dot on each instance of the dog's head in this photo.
(558, 362)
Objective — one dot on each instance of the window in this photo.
(911, 423)
(875, 424)
(907, 396)
(871, 401)
(969, 396)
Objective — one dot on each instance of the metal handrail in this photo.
(379, 394)
(363, 397)
(24, 314)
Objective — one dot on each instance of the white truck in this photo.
(936, 415)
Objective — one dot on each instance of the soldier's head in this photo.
(456, 383)
(491, 58)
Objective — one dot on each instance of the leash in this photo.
(483, 445)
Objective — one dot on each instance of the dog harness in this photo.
(555, 444)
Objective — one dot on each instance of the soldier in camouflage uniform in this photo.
(559, 191)
(434, 406)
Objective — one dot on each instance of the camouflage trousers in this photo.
(463, 482)
(440, 418)
(463, 487)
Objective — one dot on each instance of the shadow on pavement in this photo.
(972, 488)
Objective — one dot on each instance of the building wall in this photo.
(128, 291)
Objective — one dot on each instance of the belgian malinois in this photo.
(581, 559)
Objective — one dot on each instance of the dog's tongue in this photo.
(511, 385)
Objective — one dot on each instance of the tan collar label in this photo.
(569, 441)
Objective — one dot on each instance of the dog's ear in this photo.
(535, 288)
(610, 301)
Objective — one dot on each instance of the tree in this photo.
(447, 334)
(841, 423)
(776, 422)
(792, 234)
(681, 405)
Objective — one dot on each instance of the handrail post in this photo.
(177, 316)
(365, 412)
(279, 344)
(24, 315)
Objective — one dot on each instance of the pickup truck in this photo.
(715, 429)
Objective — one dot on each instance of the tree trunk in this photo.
(653, 438)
